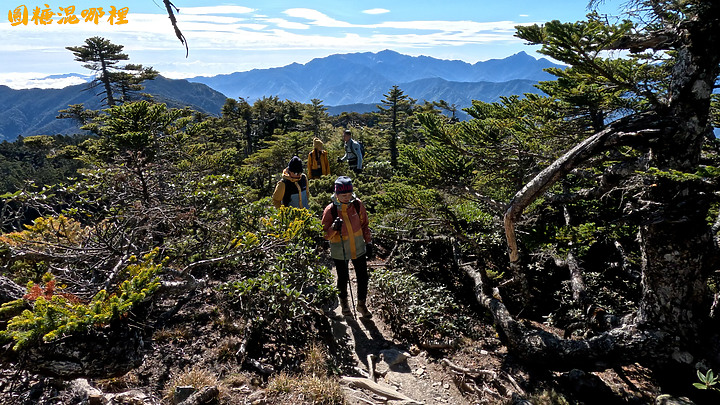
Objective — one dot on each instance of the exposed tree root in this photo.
(623, 345)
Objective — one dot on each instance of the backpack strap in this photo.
(288, 191)
(334, 210)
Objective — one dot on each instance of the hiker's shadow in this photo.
(370, 342)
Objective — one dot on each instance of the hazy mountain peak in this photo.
(365, 76)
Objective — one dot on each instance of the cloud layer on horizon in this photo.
(244, 30)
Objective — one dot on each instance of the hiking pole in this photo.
(352, 300)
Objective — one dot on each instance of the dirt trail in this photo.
(407, 371)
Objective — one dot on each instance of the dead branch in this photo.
(577, 282)
(472, 372)
(371, 367)
(9, 291)
(169, 6)
(234, 255)
(188, 288)
(715, 305)
(514, 383)
(242, 350)
(377, 388)
(629, 130)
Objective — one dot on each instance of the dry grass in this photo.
(305, 389)
(548, 397)
(315, 362)
(171, 335)
(313, 386)
(196, 377)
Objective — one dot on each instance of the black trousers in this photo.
(352, 164)
(343, 277)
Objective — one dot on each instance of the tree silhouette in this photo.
(102, 56)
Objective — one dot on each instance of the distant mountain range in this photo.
(32, 111)
(363, 78)
(344, 82)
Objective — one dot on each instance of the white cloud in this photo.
(316, 17)
(376, 11)
(34, 80)
(215, 19)
(283, 23)
(256, 27)
(234, 38)
(216, 10)
(451, 26)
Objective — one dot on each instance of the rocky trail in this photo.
(389, 371)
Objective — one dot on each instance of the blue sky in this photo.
(231, 36)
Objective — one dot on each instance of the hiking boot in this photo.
(346, 311)
(362, 310)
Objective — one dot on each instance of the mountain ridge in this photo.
(27, 112)
(321, 78)
(352, 82)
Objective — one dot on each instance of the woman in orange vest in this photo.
(346, 226)
(318, 164)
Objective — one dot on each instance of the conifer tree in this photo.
(314, 115)
(128, 80)
(240, 115)
(650, 112)
(102, 56)
(395, 111)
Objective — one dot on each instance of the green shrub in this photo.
(282, 294)
(414, 309)
(54, 315)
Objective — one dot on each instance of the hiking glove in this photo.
(369, 250)
(337, 224)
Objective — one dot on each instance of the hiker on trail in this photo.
(318, 164)
(353, 153)
(292, 190)
(345, 222)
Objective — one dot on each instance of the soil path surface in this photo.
(410, 373)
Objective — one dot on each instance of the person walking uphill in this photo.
(292, 190)
(353, 153)
(318, 164)
(346, 226)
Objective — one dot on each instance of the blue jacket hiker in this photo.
(292, 190)
(353, 153)
(346, 226)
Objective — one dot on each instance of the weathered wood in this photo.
(9, 291)
(371, 367)
(677, 246)
(202, 397)
(473, 372)
(577, 282)
(629, 130)
(377, 388)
